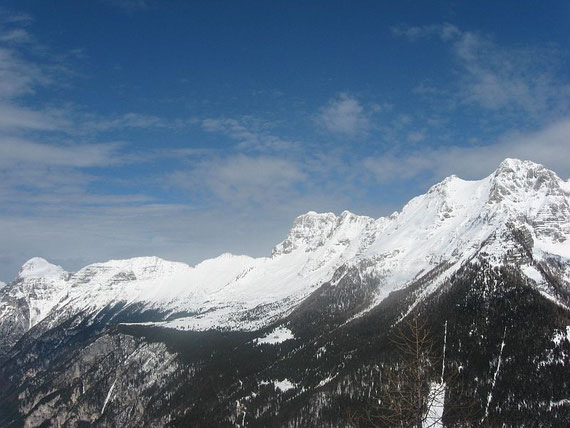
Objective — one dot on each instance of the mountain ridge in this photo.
(508, 166)
(300, 338)
(447, 223)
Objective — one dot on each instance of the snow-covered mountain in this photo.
(330, 270)
(447, 224)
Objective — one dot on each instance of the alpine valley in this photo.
(302, 338)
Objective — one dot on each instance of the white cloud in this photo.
(502, 79)
(241, 198)
(496, 78)
(345, 116)
(36, 177)
(44, 166)
(15, 152)
(18, 76)
(549, 146)
(16, 118)
(242, 179)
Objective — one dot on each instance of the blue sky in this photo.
(186, 129)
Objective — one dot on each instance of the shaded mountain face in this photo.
(303, 337)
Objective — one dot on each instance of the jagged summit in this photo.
(312, 230)
(515, 179)
(512, 177)
(519, 166)
(514, 163)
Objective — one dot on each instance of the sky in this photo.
(187, 129)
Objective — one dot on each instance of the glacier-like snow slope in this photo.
(448, 224)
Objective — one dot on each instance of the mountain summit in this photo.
(505, 236)
(40, 268)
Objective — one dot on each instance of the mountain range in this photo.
(302, 337)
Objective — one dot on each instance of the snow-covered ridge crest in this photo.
(444, 226)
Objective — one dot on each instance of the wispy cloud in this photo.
(43, 165)
(128, 121)
(18, 152)
(550, 146)
(48, 152)
(18, 76)
(37, 177)
(445, 31)
(251, 134)
(17, 35)
(16, 118)
(8, 18)
(242, 179)
(502, 79)
(239, 181)
(344, 116)
(416, 136)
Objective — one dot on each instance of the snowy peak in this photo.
(37, 288)
(38, 267)
(308, 231)
(515, 179)
(446, 223)
(534, 195)
(312, 230)
(454, 214)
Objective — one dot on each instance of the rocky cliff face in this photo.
(298, 338)
(109, 381)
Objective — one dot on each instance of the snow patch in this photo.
(278, 335)
(108, 396)
(497, 370)
(325, 380)
(434, 417)
(284, 385)
(560, 336)
(532, 273)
